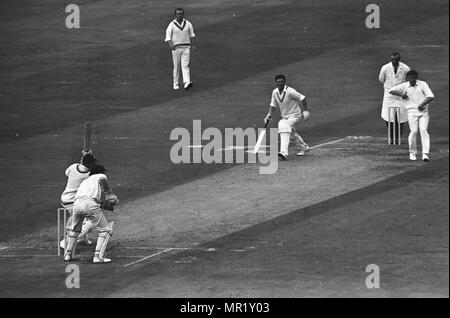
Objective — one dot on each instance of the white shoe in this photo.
(425, 157)
(188, 86)
(303, 151)
(98, 260)
(412, 157)
(175, 87)
(68, 257)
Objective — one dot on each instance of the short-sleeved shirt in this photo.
(76, 173)
(90, 188)
(180, 34)
(287, 101)
(416, 94)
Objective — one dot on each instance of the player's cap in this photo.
(88, 159)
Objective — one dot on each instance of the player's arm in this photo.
(429, 97)
(272, 106)
(382, 76)
(169, 37)
(421, 106)
(269, 113)
(192, 37)
(110, 198)
(304, 105)
(104, 185)
(398, 91)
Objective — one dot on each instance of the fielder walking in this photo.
(92, 193)
(181, 39)
(392, 74)
(293, 107)
(416, 96)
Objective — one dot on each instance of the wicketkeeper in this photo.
(293, 107)
(93, 194)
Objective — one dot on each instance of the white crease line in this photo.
(77, 256)
(328, 143)
(3, 248)
(147, 257)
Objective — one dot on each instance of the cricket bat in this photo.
(260, 138)
(87, 137)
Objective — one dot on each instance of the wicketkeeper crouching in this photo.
(93, 194)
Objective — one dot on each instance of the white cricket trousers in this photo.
(286, 129)
(418, 122)
(181, 56)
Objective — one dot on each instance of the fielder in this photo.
(293, 107)
(181, 39)
(416, 96)
(76, 173)
(93, 194)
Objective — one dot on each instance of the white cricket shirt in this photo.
(180, 34)
(288, 101)
(416, 94)
(90, 188)
(76, 173)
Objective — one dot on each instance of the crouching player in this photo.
(293, 107)
(93, 194)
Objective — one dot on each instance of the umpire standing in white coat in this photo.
(393, 74)
(181, 38)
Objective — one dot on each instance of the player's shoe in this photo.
(98, 260)
(412, 157)
(282, 156)
(303, 151)
(188, 85)
(175, 87)
(425, 157)
(68, 257)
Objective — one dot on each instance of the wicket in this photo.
(394, 119)
(64, 212)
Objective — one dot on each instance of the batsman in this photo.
(93, 194)
(293, 107)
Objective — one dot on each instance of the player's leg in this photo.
(88, 226)
(185, 58)
(73, 232)
(104, 233)
(176, 57)
(424, 136)
(285, 130)
(413, 121)
(301, 145)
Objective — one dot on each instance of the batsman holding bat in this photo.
(293, 107)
